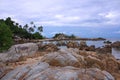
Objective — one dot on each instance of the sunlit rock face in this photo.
(42, 71)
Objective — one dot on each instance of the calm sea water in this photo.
(115, 51)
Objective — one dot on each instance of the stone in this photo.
(64, 57)
(104, 50)
(18, 51)
(72, 44)
(116, 44)
(42, 71)
(48, 47)
(83, 45)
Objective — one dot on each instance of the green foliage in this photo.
(66, 36)
(5, 36)
(23, 32)
(31, 29)
(72, 36)
(40, 29)
(58, 34)
(37, 35)
(9, 29)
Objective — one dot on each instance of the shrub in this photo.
(5, 36)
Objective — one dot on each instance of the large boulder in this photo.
(64, 57)
(42, 71)
(19, 51)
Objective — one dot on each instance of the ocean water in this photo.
(115, 51)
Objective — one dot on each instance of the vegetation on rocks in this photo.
(5, 36)
(9, 30)
(64, 36)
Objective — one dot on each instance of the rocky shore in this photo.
(38, 61)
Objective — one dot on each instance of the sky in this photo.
(86, 18)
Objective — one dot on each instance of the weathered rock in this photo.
(104, 50)
(61, 43)
(83, 45)
(48, 47)
(116, 44)
(107, 42)
(42, 71)
(3, 69)
(93, 62)
(26, 71)
(18, 51)
(90, 48)
(72, 44)
(64, 57)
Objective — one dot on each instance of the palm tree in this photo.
(31, 30)
(25, 26)
(34, 26)
(32, 23)
(40, 29)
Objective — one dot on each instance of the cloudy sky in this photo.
(88, 14)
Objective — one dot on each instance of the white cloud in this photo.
(63, 12)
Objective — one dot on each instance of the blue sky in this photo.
(87, 18)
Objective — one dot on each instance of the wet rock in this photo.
(42, 71)
(107, 42)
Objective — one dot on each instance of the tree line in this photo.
(9, 29)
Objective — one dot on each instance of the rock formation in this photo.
(116, 44)
(42, 71)
(19, 51)
(63, 64)
(47, 47)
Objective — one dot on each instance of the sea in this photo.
(115, 51)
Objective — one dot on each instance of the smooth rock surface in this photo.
(19, 51)
(64, 57)
(42, 71)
